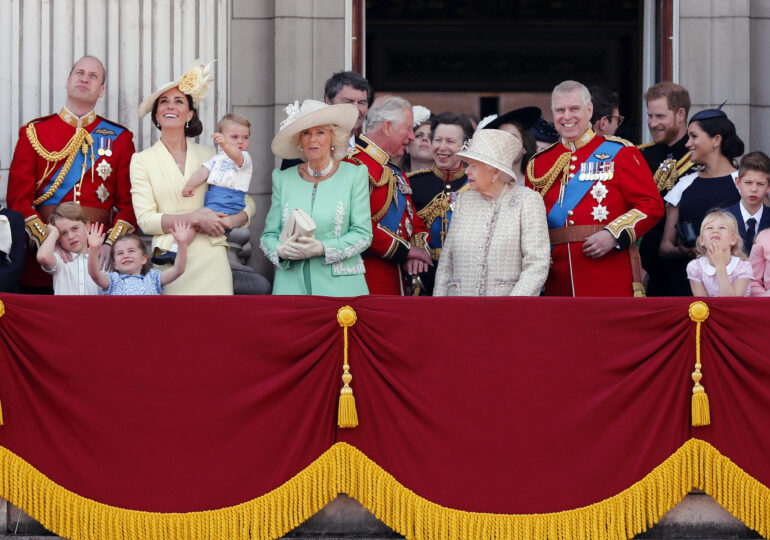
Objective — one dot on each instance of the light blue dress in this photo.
(128, 284)
(340, 208)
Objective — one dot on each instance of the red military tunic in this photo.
(627, 205)
(104, 190)
(395, 224)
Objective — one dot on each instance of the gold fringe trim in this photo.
(701, 415)
(345, 469)
(347, 416)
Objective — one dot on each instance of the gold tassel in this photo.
(347, 417)
(701, 415)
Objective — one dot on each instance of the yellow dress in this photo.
(156, 189)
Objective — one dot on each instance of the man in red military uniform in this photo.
(600, 197)
(399, 235)
(74, 155)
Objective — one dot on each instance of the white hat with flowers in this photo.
(194, 83)
(311, 113)
(493, 147)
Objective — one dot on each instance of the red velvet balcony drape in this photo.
(505, 406)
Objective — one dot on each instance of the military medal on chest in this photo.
(102, 193)
(601, 172)
(105, 147)
(104, 170)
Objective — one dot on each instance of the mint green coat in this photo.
(340, 208)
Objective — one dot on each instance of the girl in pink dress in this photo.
(721, 268)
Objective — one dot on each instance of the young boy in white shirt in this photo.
(68, 227)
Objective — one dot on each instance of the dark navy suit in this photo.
(764, 223)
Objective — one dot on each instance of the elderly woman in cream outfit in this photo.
(158, 176)
(497, 244)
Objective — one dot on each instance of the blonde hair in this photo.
(732, 226)
(236, 119)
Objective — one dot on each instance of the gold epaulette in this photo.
(684, 164)
(40, 119)
(373, 151)
(620, 140)
(560, 167)
(645, 145)
(543, 151)
(420, 171)
(376, 183)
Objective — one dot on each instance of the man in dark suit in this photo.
(754, 184)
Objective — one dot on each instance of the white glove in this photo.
(309, 246)
(288, 250)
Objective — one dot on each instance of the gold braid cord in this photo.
(347, 416)
(699, 406)
(544, 183)
(345, 469)
(82, 140)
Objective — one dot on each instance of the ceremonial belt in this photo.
(80, 166)
(579, 233)
(576, 189)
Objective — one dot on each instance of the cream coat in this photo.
(156, 189)
(495, 248)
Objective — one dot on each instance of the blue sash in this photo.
(108, 131)
(392, 218)
(435, 230)
(576, 189)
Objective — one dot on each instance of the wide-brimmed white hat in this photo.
(493, 147)
(310, 114)
(194, 82)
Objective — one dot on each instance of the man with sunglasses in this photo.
(606, 118)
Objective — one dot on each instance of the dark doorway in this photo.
(514, 51)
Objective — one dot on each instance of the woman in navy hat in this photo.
(518, 122)
(714, 144)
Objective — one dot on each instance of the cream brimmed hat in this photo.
(194, 83)
(493, 147)
(311, 113)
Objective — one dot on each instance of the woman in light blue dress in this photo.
(333, 193)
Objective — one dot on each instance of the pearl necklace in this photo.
(318, 174)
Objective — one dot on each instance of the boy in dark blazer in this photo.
(754, 184)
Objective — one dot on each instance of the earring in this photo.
(494, 178)
(332, 148)
(186, 125)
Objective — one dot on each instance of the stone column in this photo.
(281, 50)
(759, 25)
(715, 42)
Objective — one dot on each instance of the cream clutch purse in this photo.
(299, 223)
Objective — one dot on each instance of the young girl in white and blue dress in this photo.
(721, 268)
(133, 275)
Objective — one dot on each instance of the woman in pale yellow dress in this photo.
(158, 175)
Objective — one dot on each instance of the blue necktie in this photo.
(750, 231)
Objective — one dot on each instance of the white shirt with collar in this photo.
(72, 278)
(746, 216)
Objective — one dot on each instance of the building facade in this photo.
(268, 53)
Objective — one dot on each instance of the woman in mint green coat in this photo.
(335, 194)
